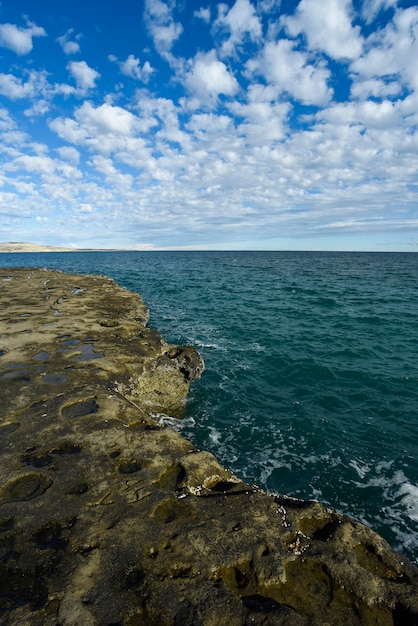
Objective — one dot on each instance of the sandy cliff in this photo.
(23, 246)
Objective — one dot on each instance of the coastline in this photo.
(123, 516)
(23, 247)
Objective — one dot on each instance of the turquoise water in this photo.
(311, 381)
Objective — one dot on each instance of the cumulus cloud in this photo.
(392, 51)
(68, 129)
(6, 122)
(15, 88)
(132, 68)
(374, 88)
(112, 175)
(50, 170)
(264, 120)
(103, 129)
(68, 44)
(203, 14)
(240, 21)
(40, 107)
(209, 78)
(19, 39)
(106, 119)
(368, 115)
(163, 28)
(84, 76)
(220, 147)
(371, 8)
(68, 153)
(327, 25)
(292, 72)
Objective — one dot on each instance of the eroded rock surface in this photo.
(107, 517)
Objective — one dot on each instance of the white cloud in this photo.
(40, 107)
(265, 121)
(392, 51)
(161, 25)
(209, 78)
(374, 88)
(104, 130)
(164, 162)
(328, 27)
(203, 14)
(49, 169)
(14, 88)
(290, 71)
(205, 125)
(68, 129)
(132, 68)
(265, 6)
(19, 39)
(68, 153)
(69, 45)
(84, 76)
(371, 8)
(106, 119)
(369, 115)
(64, 90)
(6, 122)
(112, 175)
(36, 164)
(240, 21)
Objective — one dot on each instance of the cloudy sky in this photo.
(244, 124)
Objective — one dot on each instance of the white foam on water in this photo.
(383, 465)
(173, 422)
(408, 494)
(361, 470)
(399, 498)
(268, 466)
(215, 435)
(214, 346)
(257, 347)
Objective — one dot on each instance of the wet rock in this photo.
(107, 517)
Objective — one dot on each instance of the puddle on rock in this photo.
(9, 427)
(42, 356)
(80, 409)
(87, 353)
(25, 487)
(18, 374)
(69, 342)
(55, 379)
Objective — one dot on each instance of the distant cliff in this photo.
(23, 246)
(109, 516)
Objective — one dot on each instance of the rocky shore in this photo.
(108, 517)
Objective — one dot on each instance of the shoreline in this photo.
(106, 515)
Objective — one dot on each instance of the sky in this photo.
(188, 124)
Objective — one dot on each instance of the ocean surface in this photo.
(311, 381)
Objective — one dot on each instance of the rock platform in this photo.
(108, 517)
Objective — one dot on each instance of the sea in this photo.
(311, 381)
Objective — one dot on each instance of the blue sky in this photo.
(179, 124)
